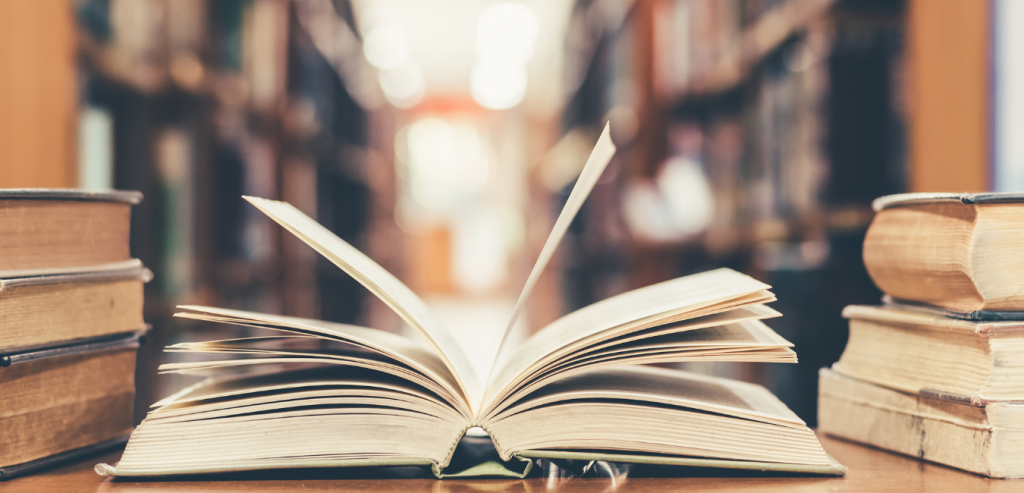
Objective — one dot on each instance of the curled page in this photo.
(598, 161)
(382, 284)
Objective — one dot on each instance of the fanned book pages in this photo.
(323, 394)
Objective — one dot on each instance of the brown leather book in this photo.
(46, 231)
(64, 399)
(60, 310)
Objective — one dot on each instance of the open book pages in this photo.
(324, 394)
(295, 418)
(664, 327)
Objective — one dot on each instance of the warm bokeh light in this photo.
(498, 86)
(505, 32)
(385, 47)
(505, 36)
(403, 85)
(446, 161)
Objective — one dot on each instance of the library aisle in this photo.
(443, 138)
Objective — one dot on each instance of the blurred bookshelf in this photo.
(206, 101)
(753, 135)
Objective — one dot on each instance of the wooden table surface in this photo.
(870, 470)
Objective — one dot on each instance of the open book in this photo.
(355, 396)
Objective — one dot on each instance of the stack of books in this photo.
(70, 323)
(937, 371)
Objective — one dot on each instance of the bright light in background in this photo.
(403, 85)
(505, 35)
(497, 86)
(385, 47)
(447, 171)
(446, 161)
(479, 250)
(505, 32)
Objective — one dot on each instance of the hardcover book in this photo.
(971, 361)
(61, 231)
(65, 402)
(321, 394)
(983, 439)
(957, 251)
(59, 310)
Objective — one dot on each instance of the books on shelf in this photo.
(71, 301)
(319, 394)
(937, 371)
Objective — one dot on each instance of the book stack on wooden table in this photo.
(70, 323)
(937, 371)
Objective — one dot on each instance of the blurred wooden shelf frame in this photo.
(37, 94)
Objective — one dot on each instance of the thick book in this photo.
(958, 251)
(320, 394)
(60, 231)
(929, 354)
(60, 403)
(983, 439)
(43, 311)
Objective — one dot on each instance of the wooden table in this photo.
(870, 470)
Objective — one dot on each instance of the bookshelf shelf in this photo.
(740, 55)
(792, 113)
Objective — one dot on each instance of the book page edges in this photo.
(519, 467)
(137, 272)
(383, 285)
(833, 469)
(701, 291)
(599, 158)
(114, 471)
(897, 315)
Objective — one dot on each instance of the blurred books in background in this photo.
(937, 372)
(71, 320)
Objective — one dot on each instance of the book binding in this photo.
(125, 196)
(938, 311)
(11, 472)
(904, 199)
